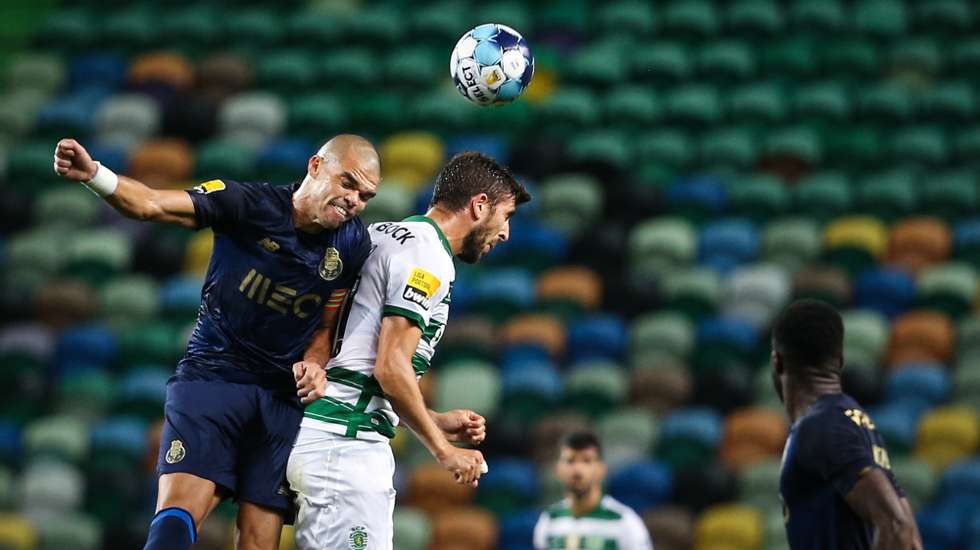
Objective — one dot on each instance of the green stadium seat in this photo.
(942, 15)
(513, 14)
(758, 103)
(666, 145)
(253, 29)
(917, 479)
(8, 493)
(662, 61)
(855, 56)
(880, 18)
(630, 16)
(660, 244)
(667, 333)
(29, 166)
(412, 528)
(854, 146)
(133, 29)
(570, 203)
(631, 107)
(67, 207)
(563, 15)
(695, 292)
(598, 65)
(393, 202)
(889, 195)
(966, 381)
(445, 111)
(351, 68)
(126, 120)
(795, 142)
(413, 68)
(286, 71)
(468, 384)
(606, 147)
(154, 342)
(889, 102)
(917, 54)
(920, 144)
(865, 332)
(45, 73)
(191, 27)
(765, 394)
(438, 23)
(573, 107)
(223, 159)
(791, 242)
(818, 15)
(595, 387)
(39, 251)
(730, 147)
(627, 435)
(951, 100)
(129, 300)
(726, 60)
(968, 337)
(380, 25)
(694, 104)
(690, 18)
(794, 57)
(18, 111)
(72, 530)
(313, 28)
(52, 485)
(966, 54)
(949, 288)
(823, 101)
(97, 255)
(760, 485)
(759, 197)
(85, 394)
(755, 18)
(968, 144)
(69, 30)
(60, 437)
(252, 118)
(775, 531)
(951, 195)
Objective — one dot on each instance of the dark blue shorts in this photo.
(236, 435)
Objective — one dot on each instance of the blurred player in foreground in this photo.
(283, 257)
(341, 467)
(587, 518)
(836, 484)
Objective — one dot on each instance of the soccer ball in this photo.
(491, 64)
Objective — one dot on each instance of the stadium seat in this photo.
(880, 18)
(699, 486)
(966, 381)
(71, 530)
(517, 529)
(670, 146)
(947, 435)
(756, 294)
(794, 56)
(570, 107)
(828, 100)
(925, 145)
(660, 244)
(966, 53)
(950, 101)
(694, 104)
(464, 528)
(71, 114)
(570, 203)
(627, 16)
(631, 107)
(662, 62)
(169, 70)
(569, 289)
(66, 208)
(791, 243)
(432, 489)
(887, 102)
(916, 56)
(690, 19)
(52, 486)
(162, 162)
(697, 199)
(59, 437)
(598, 337)
(641, 485)
(17, 532)
(897, 423)
(926, 384)
(595, 387)
(85, 394)
(286, 71)
(794, 144)
(916, 244)
(755, 18)
(855, 242)
(597, 64)
(127, 120)
(726, 244)
(759, 485)
(129, 300)
(472, 384)
(281, 161)
(693, 292)
(671, 526)
(857, 146)
(627, 435)
(512, 486)
(817, 15)
(949, 288)
(44, 73)
(659, 387)
(865, 333)
(823, 196)
(968, 144)
(757, 102)
(944, 15)
(752, 435)
(667, 333)
(412, 528)
(251, 119)
(729, 526)
(223, 159)
(689, 436)
(88, 345)
(917, 479)
(65, 303)
(729, 147)
(921, 335)
(600, 148)
(951, 196)
(887, 291)
(414, 156)
(726, 61)
(857, 56)
(759, 197)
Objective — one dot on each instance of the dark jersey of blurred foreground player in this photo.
(836, 484)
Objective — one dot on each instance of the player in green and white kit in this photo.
(341, 466)
(587, 519)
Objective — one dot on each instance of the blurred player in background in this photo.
(341, 467)
(282, 261)
(587, 518)
(836, 485)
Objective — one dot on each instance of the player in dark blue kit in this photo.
(836, 484)
(283, 260)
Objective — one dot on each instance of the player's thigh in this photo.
(197, 495)
(258, 527)
(261, 470)
(344, 492)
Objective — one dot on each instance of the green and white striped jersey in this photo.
(610, 526)
(409, 273)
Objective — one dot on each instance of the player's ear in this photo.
(313, 165)
(777, 362)
(479, 206)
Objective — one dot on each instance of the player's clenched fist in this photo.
(462, 426)
(466, 465)
(311, 381)
(73, 162)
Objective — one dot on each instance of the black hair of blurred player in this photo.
(581, 470)
(807, 354)
(475, 184)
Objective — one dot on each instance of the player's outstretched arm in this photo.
(397, 341)
(875, 499)
(127, 195)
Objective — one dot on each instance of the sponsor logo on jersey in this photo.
(269, 244)
(210, 187)
(176, 452)
(358, 537)
(331, 266)
(421, 287)
(260, 289)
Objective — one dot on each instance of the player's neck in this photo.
(801, 395)
(452, 226)
(587, 502)
(301, 220)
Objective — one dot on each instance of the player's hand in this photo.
(462, 426)
(72, 161)
(311, 381)
(465, 465)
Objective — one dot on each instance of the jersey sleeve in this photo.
(839, 450)
(636, 533)
(541, 532)
(417, 281)
(358, 244)
(220, 204)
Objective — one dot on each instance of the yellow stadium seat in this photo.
(198, 253)
(17, 533)
(947, 435)
(863, 232)
(729, 526)
(412, 158)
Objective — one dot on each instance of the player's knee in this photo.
(187, 492)
(258, 528)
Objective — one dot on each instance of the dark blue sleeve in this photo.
(838, 449)
(358, 244)
(221, 204)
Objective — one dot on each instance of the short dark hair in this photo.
(809, 334)
(471, 173)
(582, 440)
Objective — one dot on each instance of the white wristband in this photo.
(104, 182)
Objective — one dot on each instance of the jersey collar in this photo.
(430, 221)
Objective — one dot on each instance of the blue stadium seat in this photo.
(489, 144)
(697, 198)
(887, 291)
(701, 425)
(121, 437)
(71, 114)
(502, 291)
(726, 244)
(512, 484)
(641, 485)
(731, 334)
(531, 376)
(925, 384)
(112, 156)
(898, 423)
(281, 160)
(102, 70)
(11, 442)
(939, 529)
(86, 345)
(517, 529)
(180, 297)
(143, 390)
(598, 337)
(962, 478)
(530, 244)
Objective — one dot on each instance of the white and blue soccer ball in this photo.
(491, 64)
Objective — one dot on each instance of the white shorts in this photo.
(344, 493)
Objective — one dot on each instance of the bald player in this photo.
(283, 260)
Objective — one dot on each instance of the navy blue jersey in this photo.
(827, 452)
(267, 283)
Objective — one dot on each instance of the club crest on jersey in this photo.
(420, 288)
(210, 187)
(331, 266)
(358, 537)
(176, 453)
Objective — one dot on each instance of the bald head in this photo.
(341, 178)
(351, 149)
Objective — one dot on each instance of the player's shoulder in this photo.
(415, 236)
(613, 509)
(562, 508)
(831, 416)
